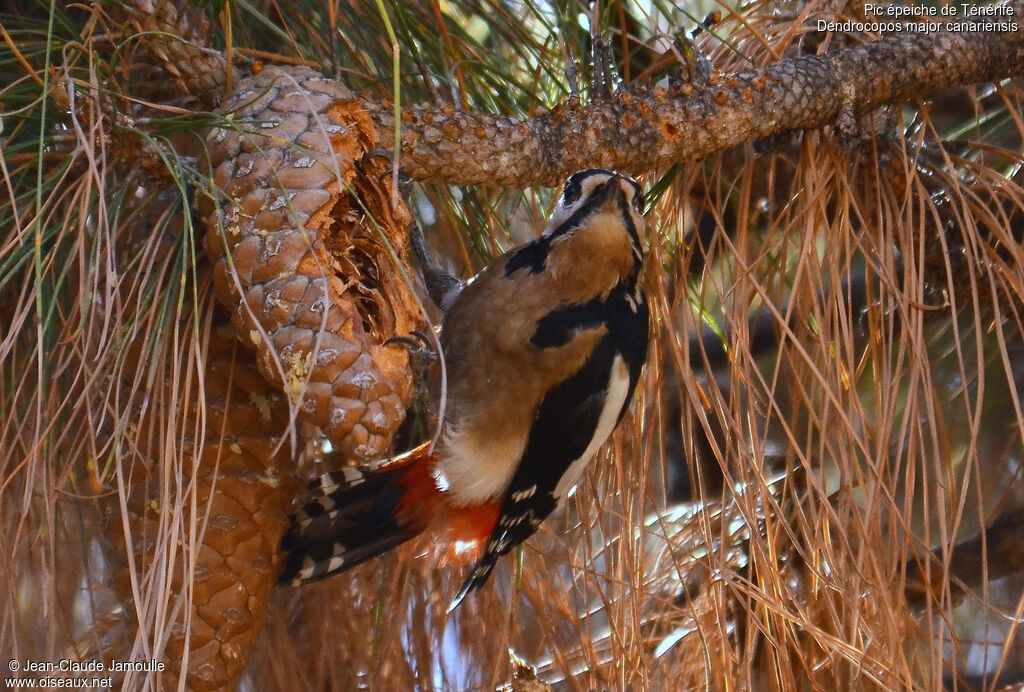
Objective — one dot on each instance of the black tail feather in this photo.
(350, 520)
(477, 578)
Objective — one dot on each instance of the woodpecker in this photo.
(542, 351)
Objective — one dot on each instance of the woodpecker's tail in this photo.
(355, 515)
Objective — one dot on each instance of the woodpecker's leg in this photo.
(418, 344)
(422, 357)
(404, 180)
(442, 286)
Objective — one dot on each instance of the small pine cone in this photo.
(294, 227)
(178, 59)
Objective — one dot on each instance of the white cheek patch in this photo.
(618, 391)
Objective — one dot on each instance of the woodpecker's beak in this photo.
(611, 193)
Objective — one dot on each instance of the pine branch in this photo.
(644, 128)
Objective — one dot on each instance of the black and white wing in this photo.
(574, 419)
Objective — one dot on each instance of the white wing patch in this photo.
(618, 391)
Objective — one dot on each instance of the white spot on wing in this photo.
(618, 391)
(441, 480)
(326, 485)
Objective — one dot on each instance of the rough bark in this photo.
(647, 127)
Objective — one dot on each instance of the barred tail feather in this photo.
(353, 518)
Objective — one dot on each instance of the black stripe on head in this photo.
(577, 218)
(534, 254)
(638, 197)
(574, 185)
(634, 235)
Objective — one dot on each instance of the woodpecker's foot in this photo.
(418, 243)
(418, 343)
(442, 286)
(404, 179)
(422, 357)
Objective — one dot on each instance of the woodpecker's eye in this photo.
(572, 191)
(584, 182)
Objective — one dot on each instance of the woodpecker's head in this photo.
(599, 196)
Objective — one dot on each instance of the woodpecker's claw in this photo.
(442, 286)
(404, 179)
(418, 343)
(381, 152)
